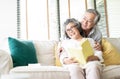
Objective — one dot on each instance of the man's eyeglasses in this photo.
(87, 20)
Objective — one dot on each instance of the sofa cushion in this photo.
(45, 51)
(110, 53)
(42, 72)
(22, 52)
(111, 72)
(115, 42)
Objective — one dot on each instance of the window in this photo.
(8, 21)
(113, 8)
(39, 20)
(43, 20)
(71, 8)
(103, 25)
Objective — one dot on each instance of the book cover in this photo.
(81, 54)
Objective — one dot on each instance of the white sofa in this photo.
(47, 69)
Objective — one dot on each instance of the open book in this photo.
(81, 54)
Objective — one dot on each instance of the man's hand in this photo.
(98, 46)
(92, 58)
(69, 60)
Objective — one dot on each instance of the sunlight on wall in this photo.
(39, 20)
(8, 21)
(113, 17)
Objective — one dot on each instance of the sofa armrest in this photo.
(5, 62)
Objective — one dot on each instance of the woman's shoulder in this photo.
(90, 40)
(66, 41)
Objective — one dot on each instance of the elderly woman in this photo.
(93, 68)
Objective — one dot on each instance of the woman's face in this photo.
(72, 31)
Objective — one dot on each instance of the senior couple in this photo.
(76, 32)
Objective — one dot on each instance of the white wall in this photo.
(113, 8)
(8, 20)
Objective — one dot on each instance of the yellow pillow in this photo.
(110, 54)
(57, 60)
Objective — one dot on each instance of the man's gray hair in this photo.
(96, 13)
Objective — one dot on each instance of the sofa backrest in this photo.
(45, 51)
(115, 42)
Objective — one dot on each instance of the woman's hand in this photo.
(92, 58)
(70, 60)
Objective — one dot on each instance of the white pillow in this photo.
(45, 51)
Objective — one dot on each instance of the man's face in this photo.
(88, 21)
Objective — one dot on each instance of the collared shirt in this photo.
(95, 34)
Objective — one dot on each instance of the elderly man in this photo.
(89, 26)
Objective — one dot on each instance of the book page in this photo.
(81, 54)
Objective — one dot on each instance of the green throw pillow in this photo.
(22, 52)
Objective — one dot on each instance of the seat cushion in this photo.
(43, 72)
(111, 72)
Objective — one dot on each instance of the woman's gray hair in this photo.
(77, 25)
(96, 13)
